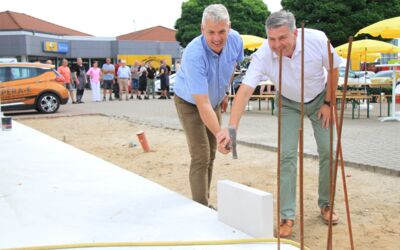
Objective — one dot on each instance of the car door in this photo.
(18, 87)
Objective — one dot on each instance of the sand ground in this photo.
(374, 198)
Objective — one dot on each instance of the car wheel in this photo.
(48, 103)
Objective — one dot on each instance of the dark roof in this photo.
(10, 20)
(156, 33)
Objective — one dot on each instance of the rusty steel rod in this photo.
(330, 92)
(301, 142)
(278, 202)
(346, 198)
(339, 153)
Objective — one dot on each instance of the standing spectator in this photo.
(66, 73)
(151, 74)
(95, 75)
(163, 80)
(135, 79)
(168, 74)
(108, 78)
(142, 81)
(116, 85)
(79, 72)
(124, 77)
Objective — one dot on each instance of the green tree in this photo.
(341, 18)
(247, 17)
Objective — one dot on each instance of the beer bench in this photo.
(355, 97)
(268, 97)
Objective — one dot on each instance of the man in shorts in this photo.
(66, 73)
(108, 78)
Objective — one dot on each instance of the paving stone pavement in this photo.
(367, 143)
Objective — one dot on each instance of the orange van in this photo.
(31, 86)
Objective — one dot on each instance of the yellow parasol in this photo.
(367, 46)
(369, 57)
(251, 42)
(388, 28)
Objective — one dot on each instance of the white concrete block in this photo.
(246, 209)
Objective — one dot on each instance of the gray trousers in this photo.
(289, 146)
(150, 87)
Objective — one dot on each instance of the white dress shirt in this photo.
(266, 63)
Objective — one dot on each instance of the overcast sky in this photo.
(106, 18)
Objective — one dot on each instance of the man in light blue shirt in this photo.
(200, 87)
(108, 78)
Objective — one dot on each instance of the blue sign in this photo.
(63, 47)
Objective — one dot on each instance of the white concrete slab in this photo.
(247, 209)
(52, 193)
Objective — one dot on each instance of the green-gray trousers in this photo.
(289, 145)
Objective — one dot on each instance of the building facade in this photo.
(33, 46)
(30, 39)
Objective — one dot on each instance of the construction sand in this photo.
(374, 198)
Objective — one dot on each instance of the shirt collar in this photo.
(210, 51)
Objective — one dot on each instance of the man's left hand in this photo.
(324, 113)
(224, 104)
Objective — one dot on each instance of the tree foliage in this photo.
(341, 18)
(247, 17)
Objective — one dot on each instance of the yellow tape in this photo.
(158, 244)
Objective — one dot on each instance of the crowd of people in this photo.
(118, 81)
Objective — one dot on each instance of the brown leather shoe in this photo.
(285, 229)
(325, 216)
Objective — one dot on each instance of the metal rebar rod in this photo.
(301, 142)
(339, 150)
(346, 198)
(339, 147)
(278, 202)
(330, 93)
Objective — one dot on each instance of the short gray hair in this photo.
(280, 18)
(216, 13)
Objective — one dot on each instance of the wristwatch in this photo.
(327, 103)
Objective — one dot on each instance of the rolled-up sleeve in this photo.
(255, 73)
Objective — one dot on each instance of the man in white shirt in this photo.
(283, 35)
(124, 77)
